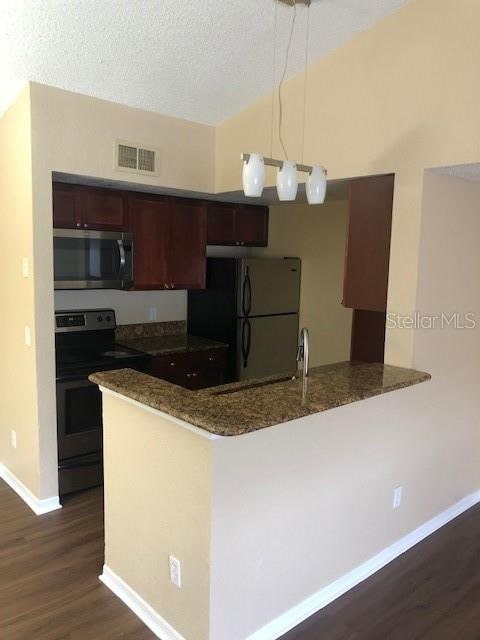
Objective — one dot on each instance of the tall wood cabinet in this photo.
(368, 243)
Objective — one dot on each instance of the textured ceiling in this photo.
(203, 60)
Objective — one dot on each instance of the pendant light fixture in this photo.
(287, 182)
(253, 175)
(316, 186)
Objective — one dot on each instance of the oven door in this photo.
(92, 259)
(79, 418)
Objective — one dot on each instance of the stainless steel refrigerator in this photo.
(252, 304)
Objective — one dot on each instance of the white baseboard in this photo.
(142, 609)
(39, 507)
(300, 612)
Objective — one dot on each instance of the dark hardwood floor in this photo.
(49, 587)
(432, 592)
(49, 568)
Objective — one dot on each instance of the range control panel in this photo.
(89, 320)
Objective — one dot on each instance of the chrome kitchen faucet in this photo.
(303, 351)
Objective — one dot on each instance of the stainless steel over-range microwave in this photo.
(92, 259)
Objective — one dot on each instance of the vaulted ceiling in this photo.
(203, 60)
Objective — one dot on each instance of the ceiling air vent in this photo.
(136, 159)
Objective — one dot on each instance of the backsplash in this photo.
(150, 330)
(130, 306)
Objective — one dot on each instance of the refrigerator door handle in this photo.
(247, 293)
(246, 340)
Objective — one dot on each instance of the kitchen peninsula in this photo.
(247, 510)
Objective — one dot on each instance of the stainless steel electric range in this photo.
(85, 343)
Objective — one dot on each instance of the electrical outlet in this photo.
(25, 268)
(28, 337)
(153, 314)
(175, 571)
(397, 497)
(13, 438)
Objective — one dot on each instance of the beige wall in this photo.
(326, 493)
(294, 507)
(158, 502)
(399, 97)
(317, 235)
(18, 384)
(72, 133)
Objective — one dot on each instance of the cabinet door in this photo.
(221, 224)
(150, 223)
(66, 214)
(170, 368)
(368, 243)
(251, 226)
(102, 209)
(192, 370)
(237, 225)
(187, 244)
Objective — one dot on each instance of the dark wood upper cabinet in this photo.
(237, 225)
(368, 243)
(187, 243)
(66, 214)
(150, 224)
(80, 207)
(169, 242)
(221, 224)
(251, 226)
(102, 209)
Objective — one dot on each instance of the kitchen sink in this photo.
(253, 385)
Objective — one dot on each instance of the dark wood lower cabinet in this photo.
(192, 370)
(368, 336)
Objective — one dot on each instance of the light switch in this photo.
(25, 268)
(28, 337)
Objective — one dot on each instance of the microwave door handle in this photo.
(121, 251)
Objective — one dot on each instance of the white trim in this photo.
(300, 612)
(39, 507)
(140, 608)
(186, 425)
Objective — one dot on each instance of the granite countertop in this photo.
(167, 344)
(244, 407)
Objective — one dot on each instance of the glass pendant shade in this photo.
(253, 176)
(316, 186)
(287, 181)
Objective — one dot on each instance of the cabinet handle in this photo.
(172, 286)
(172, 364)
(78, 224)
(211, 358)
(165, 286)
(237, 243)
(85, 226)
(242, 243)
